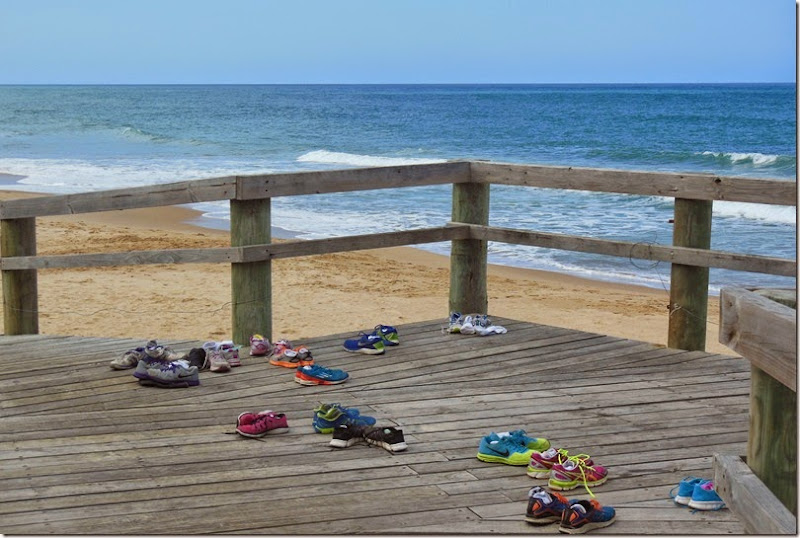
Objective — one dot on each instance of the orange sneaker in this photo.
(284, 355)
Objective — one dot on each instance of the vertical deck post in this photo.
(772, 438)
(20, 287)
(468, 292)
(688, 293)
(251, 283)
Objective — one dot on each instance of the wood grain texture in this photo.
(20, 288)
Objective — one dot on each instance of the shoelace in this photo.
(580, 460)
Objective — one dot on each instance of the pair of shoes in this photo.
(511, 448)
(129, 359)
(565, 472)
(316, 374)
(389, 437)
(259, 346)
(328, 416)
(573, 516)
(478, 324)
(176, 374)
(222, 356)
(154, 350)
(697, 493)
(261, 424)
(375, 342)
(284, 355)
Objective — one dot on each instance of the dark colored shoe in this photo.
(545, 507)
(161, 385)
(583, 516)
(345, 435)
(197, 357)
(389, 438)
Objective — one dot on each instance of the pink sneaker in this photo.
(230, 352)
(542, 462)
(575, 472)
(263, 425)
(248, 418)
(218, 362)
(259, 346)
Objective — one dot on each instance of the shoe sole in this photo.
(257, 435)
(546, 520)
(340, 443)
(587, 527)
(706, 505)
(366, 351)
(498, 459)
(220, 369)
(317, 382)
(397, 447)
(162, 385)
(538, 474)
(300, 362)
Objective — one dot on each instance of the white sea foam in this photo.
(765, 212)
(351, 159)
(757, 159)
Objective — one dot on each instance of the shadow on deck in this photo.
(86, 450)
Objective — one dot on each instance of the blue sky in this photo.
(394, 41)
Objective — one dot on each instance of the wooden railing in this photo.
(251, 249)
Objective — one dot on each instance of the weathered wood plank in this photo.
(351, 179)
(642, 251)
(116, 259)
(185, 192)
(690, 186)
(748, 497)
(20, 289)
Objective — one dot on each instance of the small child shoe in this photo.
(259, 346)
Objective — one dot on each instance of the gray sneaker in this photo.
(174, 375)
(145, 364)
(154, 350)
(129, 360)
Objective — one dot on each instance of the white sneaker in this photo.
(467, 326)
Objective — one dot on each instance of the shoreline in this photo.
(412, 285)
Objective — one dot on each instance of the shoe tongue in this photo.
(542, 494)
(550, 453)
(577, 507)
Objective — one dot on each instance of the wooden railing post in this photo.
(468, 292)
(251, 283)
(688, 292)
(20, 287)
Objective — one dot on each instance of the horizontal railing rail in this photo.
(252, 248)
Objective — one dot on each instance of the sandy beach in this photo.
(312, 295)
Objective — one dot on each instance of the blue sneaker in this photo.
(496, 449)
(315, 374)
(704, 497)
(583, 516)
(388, 334)
(539, 444)
(328, 416)
(369, 344)
(685, 490)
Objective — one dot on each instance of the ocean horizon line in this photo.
(404, 84)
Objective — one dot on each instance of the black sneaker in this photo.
(345, 435)
(389, 438)
(197, 357)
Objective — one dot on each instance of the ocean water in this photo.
(67, 139)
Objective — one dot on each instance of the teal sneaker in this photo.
(495, 449)
(328, 416)
(539, 444)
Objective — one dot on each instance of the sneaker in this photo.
(319, 375)
(704, 497)
(248, 417)
(685, 490)
(369, 344)
(388, 335)
(284, 355)
(583, 516)
(145, 364)
(345, 435)
(328, 416)
(483, 326)
(264, 424)
(494, 449)
(544, 507)
(542, 462)
(174, 375)
(154, 350)
(390, 438)
(454, 325)
(576, 471)
(230, 352)
(467, 325)
(197, 356)
(129, 359)
(536, 443)
(217, 362)
(259, 346)
(304, 354)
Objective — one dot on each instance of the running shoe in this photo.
(576, 471)
(129, 359)
(583, 516)
(494, 449)
(328, 416)
(154, 350)
(536, 443)
(705, 497)
(197, 356)
(388, 335)
(345, 435)
(369, 344)
(685, 490)
(390, 438)
(454, 325)
(319, 375)
(283, 355)
(267, 423)
(304, 354)
(217, 362)
(467, 325)
(259, 346)
(542, 462)
(544, 507)
(248, 417)
(173, 375)
(230, 352)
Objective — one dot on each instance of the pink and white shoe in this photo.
(230, 352)
(264, 424)
(248, 418)
(259, 346)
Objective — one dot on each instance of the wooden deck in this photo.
(86, 450)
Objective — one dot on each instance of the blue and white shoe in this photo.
(328, 416)
(315, 374)
(369, 344)
(685, 490)
(704, 497)
(539, 444)
(454, 325)
(388, 334)
(496, 449)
